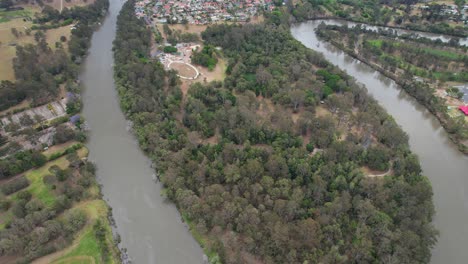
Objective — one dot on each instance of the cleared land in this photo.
(184, 69)
(8, 44)
(59, 4)
(218, 74)
(21, 21)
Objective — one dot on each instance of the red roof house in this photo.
(464, 109)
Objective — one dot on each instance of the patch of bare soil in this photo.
(212, 140)
(8, 259)
(266, 106)
(61, 4)
(184, 87)
(24, 104)
(375, 173)
(184, 69)
(321, 111)
(449, 100)
(197, 29)
(218, 74)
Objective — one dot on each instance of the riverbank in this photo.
(150, 229)
(48, 187)
(435, 106)
(440, 159)
(408, 27)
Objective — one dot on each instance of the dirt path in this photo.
(380, 175)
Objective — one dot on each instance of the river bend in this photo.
(441, 162)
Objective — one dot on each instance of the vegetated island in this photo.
(51, 209)
(275, 163)
(434, 73)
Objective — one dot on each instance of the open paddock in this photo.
(8, 43)
(60, 4)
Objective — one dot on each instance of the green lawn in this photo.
(37, 187)
(6, 16)
(5, 217)
(86, 248)
(442, 53)
(375, 42)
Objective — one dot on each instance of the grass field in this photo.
(8, 43)
(86, 249)
(37, 187)
(442, 53)
(58, 4)
(58, 148)
(53, 35)
(375, 42)
(6, 16)
(22, 20)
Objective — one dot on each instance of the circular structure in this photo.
(186, 71)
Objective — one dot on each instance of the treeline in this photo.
(420, 57)
(257, 191)
(39, 70)
(380, 12)
(20, 162)
(177, 36)
(206, 57)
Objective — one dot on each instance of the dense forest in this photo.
(266, 166)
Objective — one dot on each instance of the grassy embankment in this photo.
(85, 247)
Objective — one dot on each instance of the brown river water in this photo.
(150, 227)
(441, 162)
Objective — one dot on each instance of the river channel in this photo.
(150, 228)
(441, 162)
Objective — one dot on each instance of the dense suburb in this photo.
(254, 184)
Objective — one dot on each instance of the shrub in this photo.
(170, 49)
(5, 205)
(74, 221)
(15, 185)
(63, 134)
